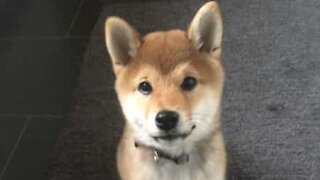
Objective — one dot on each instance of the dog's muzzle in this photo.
(173, 136)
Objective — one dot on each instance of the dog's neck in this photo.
(160, 154)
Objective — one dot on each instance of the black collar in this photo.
(157, 154)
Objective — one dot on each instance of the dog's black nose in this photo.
(167, 120)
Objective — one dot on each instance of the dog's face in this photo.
(169, 83)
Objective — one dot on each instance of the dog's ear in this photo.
(122, 41)
(205, 30)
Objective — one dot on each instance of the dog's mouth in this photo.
(173, 136)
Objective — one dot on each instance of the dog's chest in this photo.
(165, 170)
(181, 172)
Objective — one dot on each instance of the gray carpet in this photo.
(271, 105)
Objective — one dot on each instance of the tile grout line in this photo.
(31, 115)
(41, 38)
(74, 18)
(15, 146)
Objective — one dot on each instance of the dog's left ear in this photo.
(205, 30)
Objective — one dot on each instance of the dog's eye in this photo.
(145, 88)
(189, 83)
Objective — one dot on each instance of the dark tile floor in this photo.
(33, 145)
(42, 44)
(37, 75)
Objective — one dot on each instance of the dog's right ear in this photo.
(122, 41)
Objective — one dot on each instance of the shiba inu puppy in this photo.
(169, 84)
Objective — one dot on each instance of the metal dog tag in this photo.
(155, 156)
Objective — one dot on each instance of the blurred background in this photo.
(60, 119)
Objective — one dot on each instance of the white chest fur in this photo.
(197, 168)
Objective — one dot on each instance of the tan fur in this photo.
(164, 59)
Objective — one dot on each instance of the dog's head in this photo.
(169, 83)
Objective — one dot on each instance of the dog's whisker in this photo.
(196, 116)
(196, 119)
